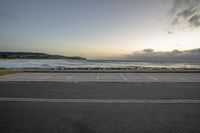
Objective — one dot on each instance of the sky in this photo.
(99, 29)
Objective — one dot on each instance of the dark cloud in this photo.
(195, 20)
(148, 50)
(8, 15)
(185, 12)
(192, 55)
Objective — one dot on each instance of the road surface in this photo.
(100, 107)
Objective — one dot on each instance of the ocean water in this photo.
(65, 63)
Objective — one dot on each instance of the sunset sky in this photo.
(98, 29)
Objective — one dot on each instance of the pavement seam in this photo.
(121, 101)
(151, 77)
(123, 76)
(72, 76)
(98, 76)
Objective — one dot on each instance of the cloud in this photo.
(8, 15)
(148, 50)
(195, 20)
(192, 55)
(185, 12)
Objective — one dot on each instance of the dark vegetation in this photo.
(31, 55)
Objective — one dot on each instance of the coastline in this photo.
(133, 69)
(110, 71)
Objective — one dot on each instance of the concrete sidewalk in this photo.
(103, 77)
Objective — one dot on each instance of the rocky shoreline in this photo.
(108, 70)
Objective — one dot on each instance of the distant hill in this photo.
(32, 55)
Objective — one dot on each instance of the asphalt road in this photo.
(99, 107)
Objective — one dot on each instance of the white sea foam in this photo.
(58, 63)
